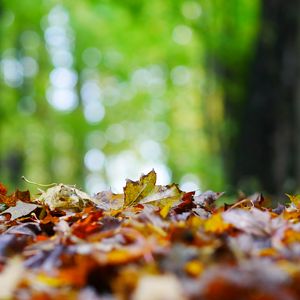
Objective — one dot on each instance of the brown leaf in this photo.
(8, 200)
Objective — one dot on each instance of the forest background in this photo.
(205, 92)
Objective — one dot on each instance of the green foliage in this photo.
(145, 63)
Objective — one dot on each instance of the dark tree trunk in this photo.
(268, 144)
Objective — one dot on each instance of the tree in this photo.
(267, 146)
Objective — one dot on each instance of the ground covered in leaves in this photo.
(150, 243)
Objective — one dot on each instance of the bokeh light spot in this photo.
(182, 34)
(94, 160)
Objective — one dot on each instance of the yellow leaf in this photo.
(157, 229)
(194, 268)
(165, 210)
(295, 199)
(267, 252)
(216, 224)
(49, 281)
(134, 191)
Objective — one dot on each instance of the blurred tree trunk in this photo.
(267, 146)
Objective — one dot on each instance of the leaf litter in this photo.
(151, 242)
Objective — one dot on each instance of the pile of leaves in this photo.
(150, 243)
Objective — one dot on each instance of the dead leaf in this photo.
(295, 199)
(64, 197)
(207, 199)
(3, 189)
(21, 209)
(163, 195)
(253, 221)
(216, 224)
(134, 191)
(12, 199)
(107, 200)
(8, 200)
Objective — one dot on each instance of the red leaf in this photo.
(3, 189)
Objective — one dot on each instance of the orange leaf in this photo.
(3, 189)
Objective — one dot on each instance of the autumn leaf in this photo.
(11, 200)
(64, 197)
(216, 224)
(295, 199)
(107, 200)
(163, 195)
(134, 191)
(21, 209)
(253, 221)
(3, 189)
(8, 200)
(176, 245)
(207, 199)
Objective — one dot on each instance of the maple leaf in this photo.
(8, 200)
(163, 194)
(11, 200)
(134, 191)
(145, 191)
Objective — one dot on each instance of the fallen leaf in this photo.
(21, 209)
(8, 200)
(253, 221)
(107, 200)
(207, 199)
(134, 191)
(64, 197)
(216, 224)
(3, 189)
(163, 195)
(11, 200)
(295, 199)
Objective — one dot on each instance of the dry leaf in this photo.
(20, 210)
(64, 197)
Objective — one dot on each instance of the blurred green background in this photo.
(93, 92)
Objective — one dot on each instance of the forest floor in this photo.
(151, 242)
